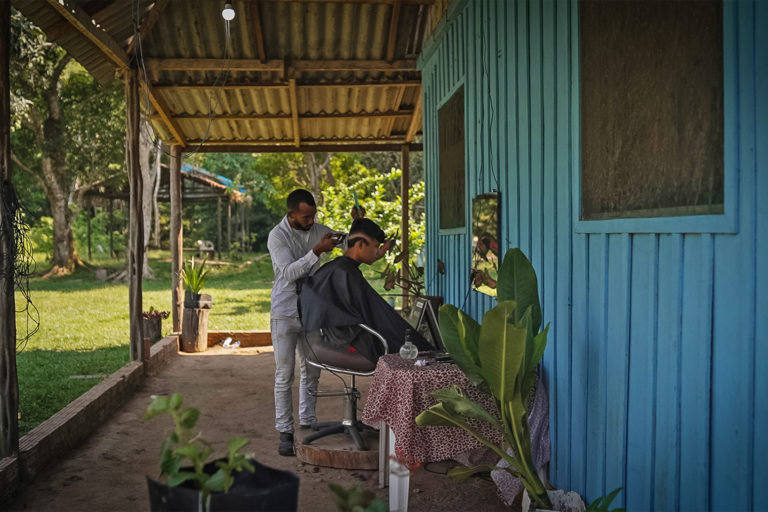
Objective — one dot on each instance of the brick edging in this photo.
(53, 438)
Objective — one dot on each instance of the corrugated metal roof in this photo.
(286, 72)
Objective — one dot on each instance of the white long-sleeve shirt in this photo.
(292, 258)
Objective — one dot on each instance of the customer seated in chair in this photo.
(337, 298)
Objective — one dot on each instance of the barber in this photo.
(295, 246)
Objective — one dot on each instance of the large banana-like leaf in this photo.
(455, 402)
(469, 335)
(460, 335)
(502, 348)
(517, 281)
(539, 344)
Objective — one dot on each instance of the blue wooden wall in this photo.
(657, 363)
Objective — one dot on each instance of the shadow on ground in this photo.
(233, 390)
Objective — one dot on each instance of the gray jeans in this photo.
(286, 341)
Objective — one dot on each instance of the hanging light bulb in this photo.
(228, 12)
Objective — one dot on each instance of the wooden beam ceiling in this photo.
(257, 32)
(287, 117)
(393, 22)
(278, 66)
(294, 113)
(285, 85)
(413, 129)
(307, 148)
(83, 23)
(147, 24)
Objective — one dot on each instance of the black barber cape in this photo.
(338, 296)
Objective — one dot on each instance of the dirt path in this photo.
(233, 390)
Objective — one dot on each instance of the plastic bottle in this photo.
(408, 350)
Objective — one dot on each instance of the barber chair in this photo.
(324, 350)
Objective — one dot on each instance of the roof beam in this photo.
(258, 35)
(408, 2)
(287, 117)
(304, 148)
(284, 85)
(158, 65)
(391, 122)
(294, 112)
(290, 143)
(393, 31)
(415, 120)
(162, 109)
(85, 25)
(148, 24)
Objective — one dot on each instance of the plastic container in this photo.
(408, 350)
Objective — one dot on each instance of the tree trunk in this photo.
(155, 204)
(147, 150)
(54, 168)
(315, 173)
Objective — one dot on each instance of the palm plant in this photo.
(193, 276)
(501, 353)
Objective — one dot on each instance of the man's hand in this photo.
(358, 212)
(326, 244)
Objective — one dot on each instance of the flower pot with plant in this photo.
(152, 321)
(194, 323)
(233, 482)
(193, 277)
(502, 354)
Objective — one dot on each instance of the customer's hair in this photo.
(367, 227)
(297, 197)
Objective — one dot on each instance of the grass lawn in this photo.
(84, 335)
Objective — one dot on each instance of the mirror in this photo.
(486, 230)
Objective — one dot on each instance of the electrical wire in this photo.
(23, 263)
(211, 106)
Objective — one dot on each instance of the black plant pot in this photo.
(265, 489)
(197, 301)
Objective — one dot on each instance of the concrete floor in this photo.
(233, 391)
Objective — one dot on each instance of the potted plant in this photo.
(193, 278)
(501, 353)
(233, 482)
(194, 323)
(152, 321)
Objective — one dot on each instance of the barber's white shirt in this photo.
(292, 258)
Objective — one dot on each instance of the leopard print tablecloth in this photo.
(400, 391)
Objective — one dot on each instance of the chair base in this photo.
(338, 451)
(337, 427)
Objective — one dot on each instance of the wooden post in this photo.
(9, 384)
(136, 224)
(177, 239)
(218, 226)
(89, 233)
(229, 225)
(111, 230)
(405, 182)
(242, 225)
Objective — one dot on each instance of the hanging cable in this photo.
(23, 263)
(211, 105)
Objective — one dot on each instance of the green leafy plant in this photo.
(193, 276)
(356, 499)
(602, 503)
(501, 353)
(184, 446)
(154, 313)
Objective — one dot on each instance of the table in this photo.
(400, 391)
